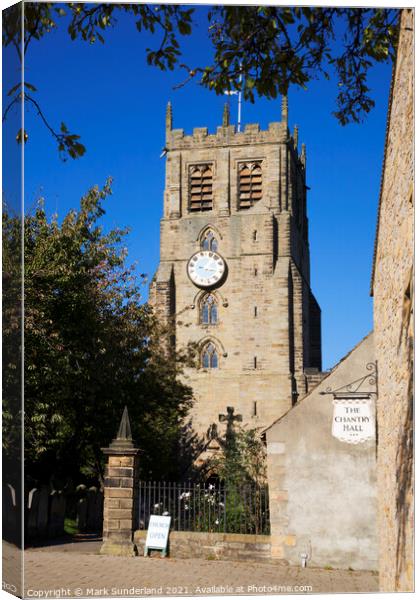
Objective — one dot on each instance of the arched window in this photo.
(209, 356)
(208, 241)
(208, 310)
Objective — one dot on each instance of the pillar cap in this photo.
(123, 443)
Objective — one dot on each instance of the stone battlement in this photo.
(227, 135)
(277, 132)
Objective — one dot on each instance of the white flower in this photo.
(211, 486)
(186, 507)
(217, 521)
(187, 494)
(156, 505)
(221, 504)
(165, 514)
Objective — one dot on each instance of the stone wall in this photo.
(392, 288)
(322, 490)
(221, 546)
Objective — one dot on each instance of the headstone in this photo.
(99, 510)
(43, 511)
(82, 514)
(91, 517)
(32, 508)
(9, 510)
(57, 514)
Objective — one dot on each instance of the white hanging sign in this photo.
(353, 420)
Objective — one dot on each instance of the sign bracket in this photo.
(354, 388)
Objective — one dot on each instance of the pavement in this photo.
(76, 570)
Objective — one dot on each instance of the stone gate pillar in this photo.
(120, 493)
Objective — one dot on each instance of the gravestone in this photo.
(9, 510)
(43, 511)
(92, 509)
(82, 514)
(57, 514)
(32, 508)
(99, 511)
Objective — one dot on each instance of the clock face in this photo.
(206, 268)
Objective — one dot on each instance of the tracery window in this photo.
(250, 184)
(209, 242)
(208, 310)
(209, 357)
(201, 188)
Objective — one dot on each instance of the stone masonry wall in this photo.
(393, 297)
(227, 546)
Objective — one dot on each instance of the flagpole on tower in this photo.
(239, 94)
(240, 101)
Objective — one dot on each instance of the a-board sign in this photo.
(158, 532)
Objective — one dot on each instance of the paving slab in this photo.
(77, 571)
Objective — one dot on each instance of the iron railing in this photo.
(206, 507)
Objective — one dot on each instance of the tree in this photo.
(261, 49)
(86, 22)
(91, 347)
(273, 48)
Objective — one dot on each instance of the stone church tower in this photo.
(234, 269)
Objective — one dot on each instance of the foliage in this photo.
(91, 347)
(241, 467)
(70, 526)
(242, 459)
(271, 48)
(262, 50)
(87, 22)
(12, 350)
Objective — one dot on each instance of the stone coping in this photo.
(110, 451)
(246, 538)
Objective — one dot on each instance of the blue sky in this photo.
(108, 95)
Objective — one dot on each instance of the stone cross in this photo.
(120, 492)
(230, 419)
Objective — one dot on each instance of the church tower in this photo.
(234, 269)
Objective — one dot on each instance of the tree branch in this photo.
(15, 99)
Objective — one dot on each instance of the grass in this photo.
(70, 526)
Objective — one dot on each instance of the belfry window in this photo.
(209, 357)
(250, 184)
(201, 188)
(208, 310)
(209, 242)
